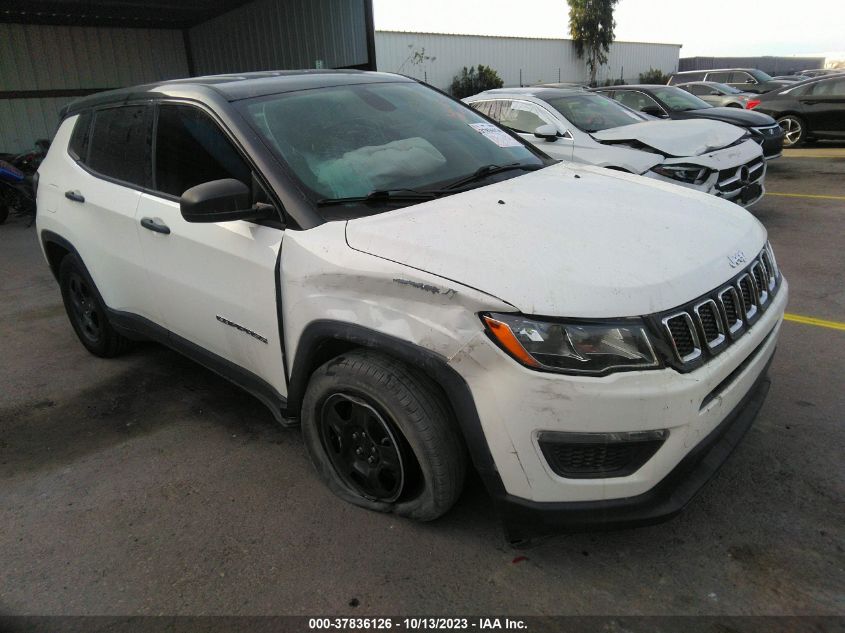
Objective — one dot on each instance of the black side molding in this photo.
(137, 327)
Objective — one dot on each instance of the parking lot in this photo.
(148, 485)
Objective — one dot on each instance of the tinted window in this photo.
(120, 144)
(741, 77)
(698, 89)
(191, 149)
(636, 100)
(720, 77)
(678, 100)
(78, 145)
(829, 87)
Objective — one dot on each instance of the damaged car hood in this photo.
(569, 241)
(675, 138)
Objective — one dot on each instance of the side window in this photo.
(481, 106)
(699, 89)
(720, 77)
(523, 118)
(831, 88)
(191, 149)
(740, 77)
(119, 145)
(78, 145)
(636, 100)
(498, 110)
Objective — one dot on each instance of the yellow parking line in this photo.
(797, 318)
(805, 195)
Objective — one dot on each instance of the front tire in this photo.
(87, 311)
(381, 436)
(794, 131)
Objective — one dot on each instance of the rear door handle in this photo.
(75, 196)
(152, 225)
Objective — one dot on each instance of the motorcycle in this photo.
(17, 182)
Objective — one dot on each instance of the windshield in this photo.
(678, 100)
(759, 75)
(726, 89)
(592, 112)
(352, 140)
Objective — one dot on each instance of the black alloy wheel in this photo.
(84, 308)
(363, 448)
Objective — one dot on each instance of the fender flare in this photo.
(321, 335)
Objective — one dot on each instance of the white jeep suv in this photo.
(420, 289)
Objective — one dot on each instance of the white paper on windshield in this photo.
(494, 134)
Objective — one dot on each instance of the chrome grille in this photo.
(730, 180)
(748, 293)
(683, 336)
(710, 322)
(731, 309)
(761, 281)
(722, 315)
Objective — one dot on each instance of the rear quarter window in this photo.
(78, 145)
(120, 144)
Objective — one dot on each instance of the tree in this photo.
(653, 76)
(469, 82)
(591, 26)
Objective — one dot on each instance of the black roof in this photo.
(633, 87)
(234, 87)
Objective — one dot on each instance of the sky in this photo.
(713, 27)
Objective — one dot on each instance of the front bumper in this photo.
(525, 519)
(515, 405)
(737, 173)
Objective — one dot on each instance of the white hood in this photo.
(564, 241)
(691, 137)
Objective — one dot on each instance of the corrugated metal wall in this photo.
(54, 58)
(768, 64)
(534, 60)
(267, 34)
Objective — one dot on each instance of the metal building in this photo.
(52, 52)
(768, 64)
(437, 58)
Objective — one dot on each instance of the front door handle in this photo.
(152, 225)
(75, 196)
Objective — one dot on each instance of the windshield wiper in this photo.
(489, 170)
(382, 195)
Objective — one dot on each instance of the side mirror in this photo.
(548, 132)
(750, 80)
(221, 201)
(652, 110)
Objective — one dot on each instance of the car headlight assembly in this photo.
(572, 347)
(694, 174)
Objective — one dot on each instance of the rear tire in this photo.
(794, 130)
(87, 311)
(381, 436)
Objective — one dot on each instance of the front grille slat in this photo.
(724, 313)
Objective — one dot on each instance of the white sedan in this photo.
(576, 125)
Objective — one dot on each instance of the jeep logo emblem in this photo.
(736, 259)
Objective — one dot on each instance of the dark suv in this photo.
(745, 79)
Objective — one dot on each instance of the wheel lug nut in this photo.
(354, 436)
(359, 452)
(373, 450)
(372, 460)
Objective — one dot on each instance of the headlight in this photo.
(572, 348)
(686, 173)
